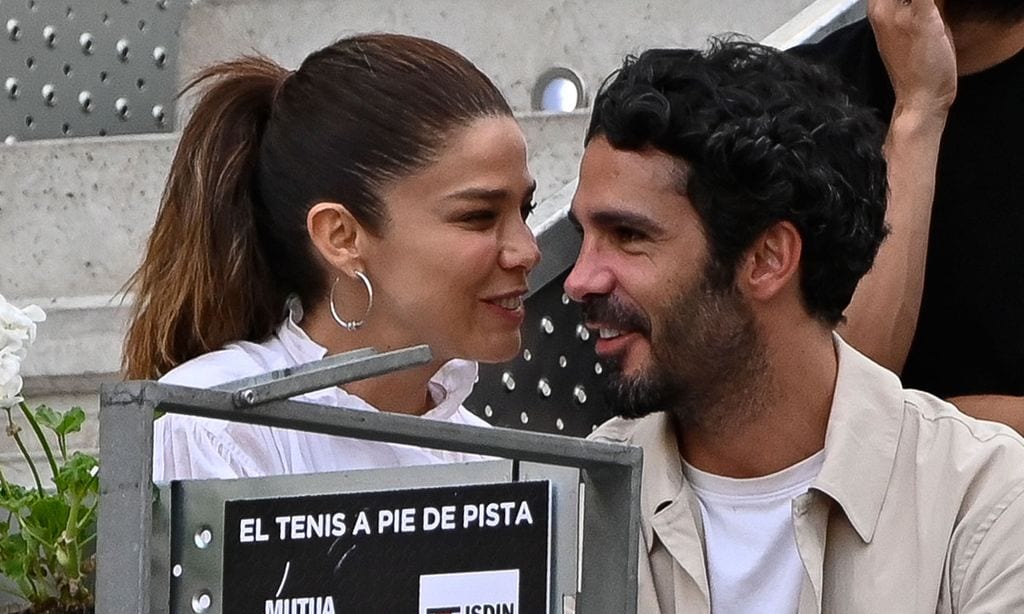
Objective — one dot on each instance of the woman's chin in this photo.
(498, 350)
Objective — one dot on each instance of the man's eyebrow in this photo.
(618, 217)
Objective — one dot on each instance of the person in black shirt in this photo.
(968, 302)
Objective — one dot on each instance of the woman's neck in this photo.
(405, 391)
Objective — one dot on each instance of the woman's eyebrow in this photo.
(487, 193)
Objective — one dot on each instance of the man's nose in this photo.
(589, 276)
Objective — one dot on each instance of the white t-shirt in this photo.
(752, 558)
(186, 447)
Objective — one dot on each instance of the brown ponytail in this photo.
(203, 281)
(262, 147)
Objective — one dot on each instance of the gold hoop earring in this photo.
(351, 325)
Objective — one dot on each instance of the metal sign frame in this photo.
(132, 533)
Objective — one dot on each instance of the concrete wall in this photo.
(513, 41)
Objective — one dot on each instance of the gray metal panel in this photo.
(555, 384)
(565, 507)
(88, 67)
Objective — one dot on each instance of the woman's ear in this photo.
(336, 235)
(772, 263)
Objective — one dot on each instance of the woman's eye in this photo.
(527, 209)
(481, 217)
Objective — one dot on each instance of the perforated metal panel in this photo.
(554, 385)
(87, 67)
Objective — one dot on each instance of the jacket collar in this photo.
(863, 433)
(860, 448)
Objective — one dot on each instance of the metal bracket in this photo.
(331, 371)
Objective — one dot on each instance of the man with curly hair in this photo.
(729, 201)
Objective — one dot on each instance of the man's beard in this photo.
(705, 362)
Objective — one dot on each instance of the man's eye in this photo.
(527, 209)
(625, 234)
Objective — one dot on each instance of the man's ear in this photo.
(336, 235)
(772, 263)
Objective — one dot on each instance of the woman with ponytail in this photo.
(375, 197)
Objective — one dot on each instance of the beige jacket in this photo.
(917, 509)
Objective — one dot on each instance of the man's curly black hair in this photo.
(762, 137)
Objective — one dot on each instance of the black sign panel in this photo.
(471, 549)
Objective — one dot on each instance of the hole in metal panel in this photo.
(87, 43)
(582, 332)
(121, 106)
(13, 29)
(544, 388)
(50, 36)
(201, 602)
(203, 537)
(122, 49)
(49, 95)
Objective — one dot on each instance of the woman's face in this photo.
(450, 266)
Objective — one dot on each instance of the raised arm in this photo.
(918, 53)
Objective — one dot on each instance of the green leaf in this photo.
(46, 521)
(14, 556)
(48, 417)
(72, 421)
(60, 423)
(78, 475)
(16, 499)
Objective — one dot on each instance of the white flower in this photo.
(10, 379)
(17, 333)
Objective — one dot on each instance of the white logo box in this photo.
(456, 593)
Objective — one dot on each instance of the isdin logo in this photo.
(481, 592)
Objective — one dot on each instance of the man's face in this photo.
(671, 339)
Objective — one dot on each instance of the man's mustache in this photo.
(612, 312)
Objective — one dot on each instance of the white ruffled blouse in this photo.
(186, 447)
